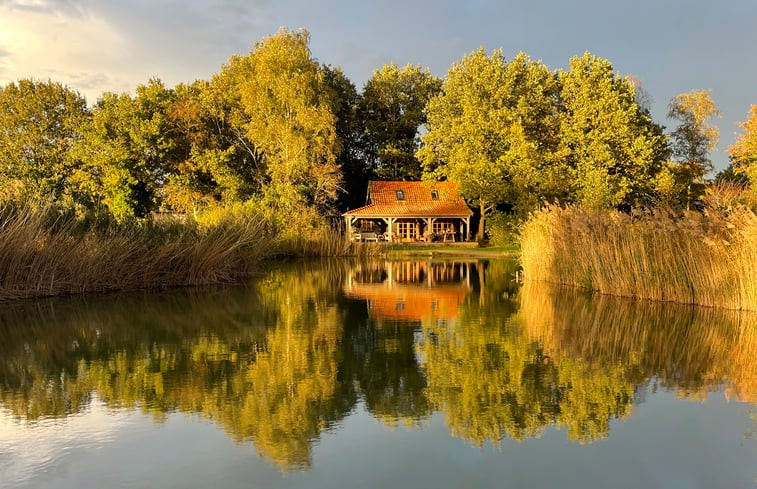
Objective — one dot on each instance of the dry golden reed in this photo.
(705, 258)
(44, 252)
(326, 242)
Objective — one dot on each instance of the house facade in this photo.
(410, 212)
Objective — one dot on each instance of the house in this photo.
(410, 211)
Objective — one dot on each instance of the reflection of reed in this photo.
(690, 349)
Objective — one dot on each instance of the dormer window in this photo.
(434, 195)
(400, 195)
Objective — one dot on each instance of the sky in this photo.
(671, 46)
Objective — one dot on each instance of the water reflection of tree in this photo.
(280, 362)
(381, 357)
(492, 381)
(268, 373)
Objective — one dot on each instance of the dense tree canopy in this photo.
(392, 109)
(276, 131)
(213, 161)
(124, 150)
(350, 133)
(691, 143)
(283, 106)
(469, 135)
(613, 147)
(40, 123)
(515, 133)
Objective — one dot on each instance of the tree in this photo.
(694, 137)
(280, 102)
(124, 150)
(212, 162)
(392, 109)
(40, 123)
(350, 134)
(743, 152)
(692, 141)
(612, 145)
(492, 130)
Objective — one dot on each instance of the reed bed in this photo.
(45, 252)
(326, 243)
(705, 258)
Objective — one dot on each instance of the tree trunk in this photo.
(480, 233)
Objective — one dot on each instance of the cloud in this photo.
(109, 45)
(42, 6)
(40, 42)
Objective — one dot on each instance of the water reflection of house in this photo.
(412, 290)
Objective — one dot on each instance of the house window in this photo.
(441, 227)
(434, 195)
(400, 195)
(367, 226)
(406, 230)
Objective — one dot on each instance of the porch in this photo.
(407, 229)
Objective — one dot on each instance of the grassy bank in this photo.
(470, 250)
(46, 252)
(708, 259)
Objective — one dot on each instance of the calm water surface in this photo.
(437, 374)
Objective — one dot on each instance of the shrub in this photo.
(503, 229)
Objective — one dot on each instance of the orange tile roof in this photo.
(382, 200)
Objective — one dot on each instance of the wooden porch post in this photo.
(391, 233)
(348, 224)
(467, 228)
(429, 226)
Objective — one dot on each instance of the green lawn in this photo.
(486, 251)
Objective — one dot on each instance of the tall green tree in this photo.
(124, 150)
(614, 147)
(281, 103)
(392, 108)
(492, 130)
(40, 122)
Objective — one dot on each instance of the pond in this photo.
(434, 373)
